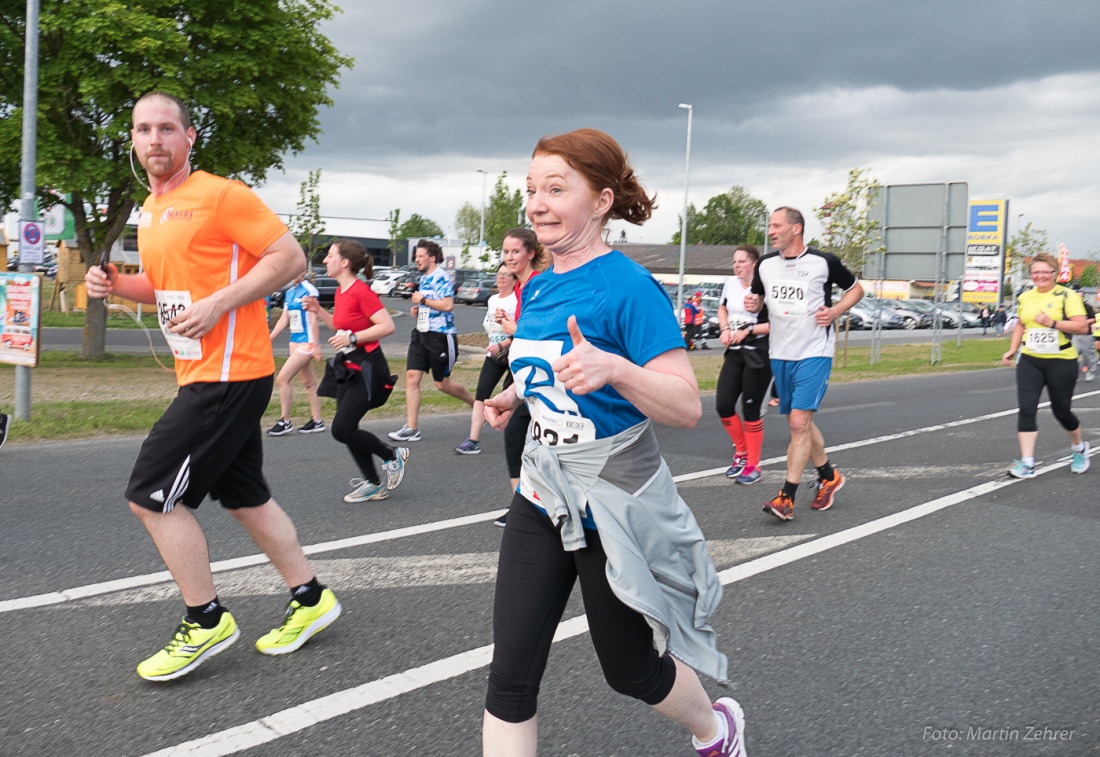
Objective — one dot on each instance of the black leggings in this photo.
(351, 405)
(1059, 376)
(737, 379)
(487, 380)
(515, 436)
(534, 579)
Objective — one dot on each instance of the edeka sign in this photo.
(985, 244)
(985, 227)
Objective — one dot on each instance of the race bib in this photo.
(552, 428)
(423, 317)
(297, 323)
(787, 297)
(1042, 341)
(171, 303)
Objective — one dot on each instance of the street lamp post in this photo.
(481, 234)
(684, 219)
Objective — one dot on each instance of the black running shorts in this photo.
(434, 351)
(207, 442)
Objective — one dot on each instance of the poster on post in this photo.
(20, 311)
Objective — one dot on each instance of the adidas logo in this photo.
(157, 496)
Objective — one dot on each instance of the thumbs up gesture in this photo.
(584, 368)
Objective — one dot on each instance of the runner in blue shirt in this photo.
(433, 345)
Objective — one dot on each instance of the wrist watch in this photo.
(352, 338)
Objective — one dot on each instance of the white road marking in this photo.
(308, 714)
(150, 579)
(407, 572)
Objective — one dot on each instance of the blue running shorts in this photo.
(801, 384)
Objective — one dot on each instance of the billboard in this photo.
(986, 232)
(20, 308)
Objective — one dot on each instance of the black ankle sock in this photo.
(825, 472)
(308, 595)
(207, 615)
(790, 489)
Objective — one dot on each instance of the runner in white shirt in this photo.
(796, 283)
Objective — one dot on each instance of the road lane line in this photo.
(308, 714)
(83, 592)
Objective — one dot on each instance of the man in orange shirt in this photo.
(210, 250)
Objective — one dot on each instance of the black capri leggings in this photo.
(1059, 376)
(737, 379)
(351, 405)
(534, 579)
(487, 380)
(515, 436)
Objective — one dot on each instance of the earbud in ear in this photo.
(190, 143)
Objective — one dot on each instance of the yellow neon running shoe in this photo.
(300, 624)
(190, 646)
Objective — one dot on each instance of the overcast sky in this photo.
(789, 96)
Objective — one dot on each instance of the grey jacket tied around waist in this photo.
(657, 561)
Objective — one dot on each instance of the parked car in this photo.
(326, 292)
(868, 311)
(385, 281)
(971, 318)
(910, 319)
(407, 286)
(476, 291)
(948, 318)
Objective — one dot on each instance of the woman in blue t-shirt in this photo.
(597, 354)
(304, 348)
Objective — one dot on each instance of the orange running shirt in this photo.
(195, 240)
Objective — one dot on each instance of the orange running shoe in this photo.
(823, 500)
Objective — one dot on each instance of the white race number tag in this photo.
(1042, 341)
(553, 428)
(171, 303)
(297, 325)
(423, 316)
(787, 297)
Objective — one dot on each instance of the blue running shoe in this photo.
(1020, 469)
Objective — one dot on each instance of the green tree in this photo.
(849, 232)
(1089, 277)
(731, 218)
(504, 212)
(254, 74)
(468, 224)
(307, 223)
(419, 226)
(1025, 244)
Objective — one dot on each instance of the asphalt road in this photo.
(938, 608)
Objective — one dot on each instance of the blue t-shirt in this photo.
(621, 309)
(299, 316)
(436, 285)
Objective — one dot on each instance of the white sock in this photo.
(721, 733)
(1028, 461)
(1078, 447)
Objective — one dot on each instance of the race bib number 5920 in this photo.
(787, 297)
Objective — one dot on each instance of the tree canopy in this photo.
(307, 222)
(254, 74)
(731, 218)
(849, 233)
(418, 226)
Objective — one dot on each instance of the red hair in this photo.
(603, 164)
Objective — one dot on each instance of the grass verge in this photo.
(75, 398)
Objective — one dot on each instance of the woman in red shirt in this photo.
(360, 320)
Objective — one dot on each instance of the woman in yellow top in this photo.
(1049, 315)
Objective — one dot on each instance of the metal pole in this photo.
(481, 233)
(28, 185)
(684, 219)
